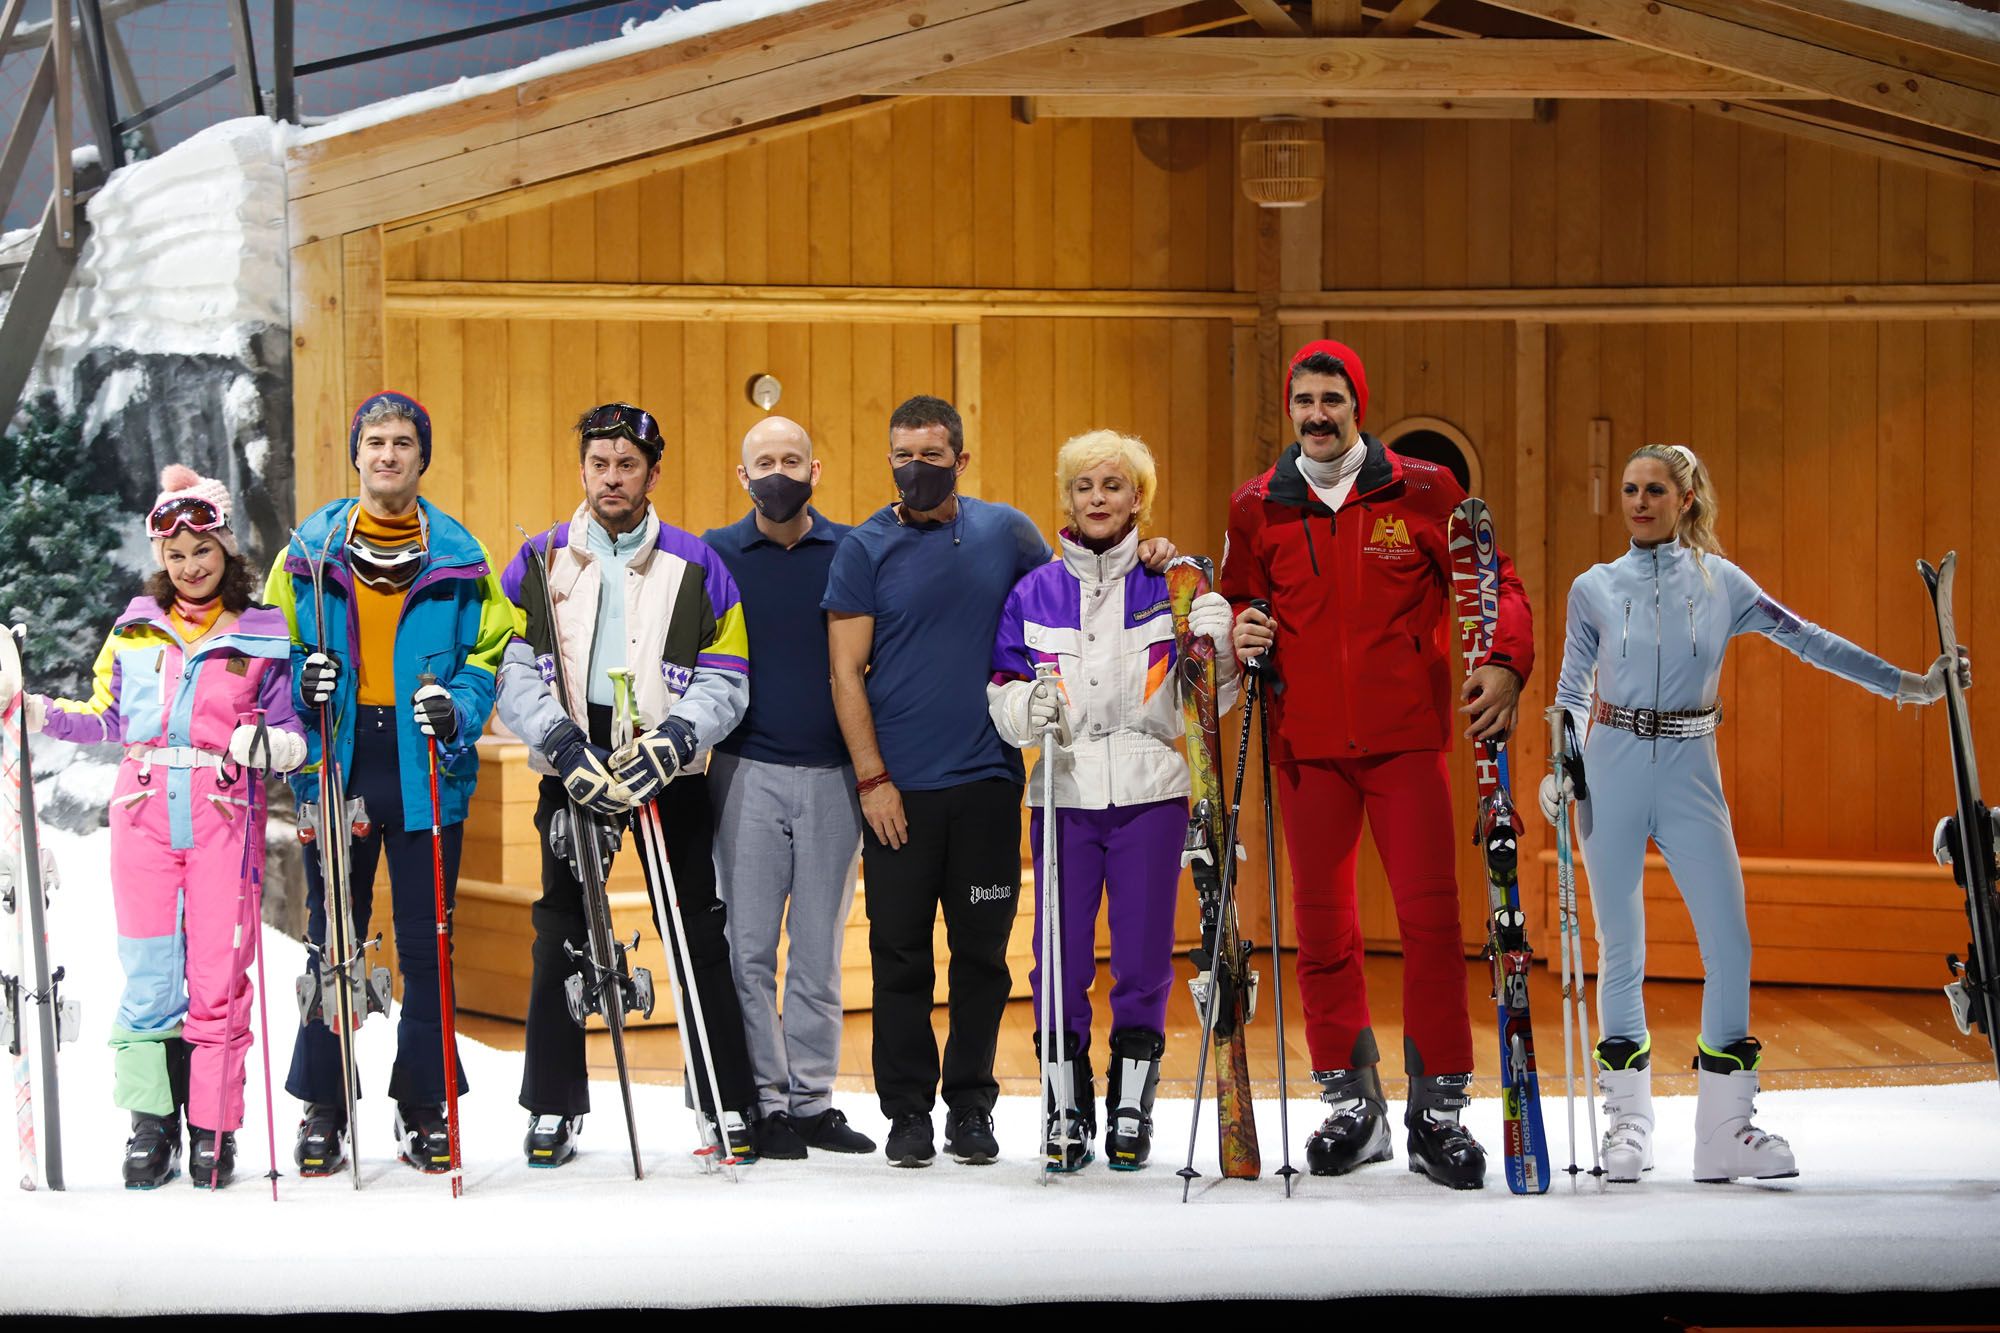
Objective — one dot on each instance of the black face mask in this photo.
(925, 486)
(779, 497)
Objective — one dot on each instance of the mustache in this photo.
(1320, 428)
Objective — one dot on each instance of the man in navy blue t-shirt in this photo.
(787, 823)
(913, 600)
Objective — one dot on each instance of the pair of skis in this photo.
(338, 988)
(1965, 839)
(1476, 588)
(25, 880)
(1225, 985)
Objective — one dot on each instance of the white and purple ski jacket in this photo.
(1105, 622)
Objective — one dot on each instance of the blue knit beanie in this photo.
(400, 404)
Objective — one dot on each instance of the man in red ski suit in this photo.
(1350, 544)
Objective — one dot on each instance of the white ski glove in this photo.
(1047, 708)
(285, 751)
(434, 713)
(1549, 795)
(318, 675)
(1929, 687)
(1210, 615)
(10, 672)
(37, 708)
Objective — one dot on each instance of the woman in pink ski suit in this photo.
(195, 682)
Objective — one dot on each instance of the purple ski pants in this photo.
(1132, 856)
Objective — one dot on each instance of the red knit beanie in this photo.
(1350, 361)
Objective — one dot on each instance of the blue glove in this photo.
(652, 759)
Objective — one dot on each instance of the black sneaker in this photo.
(322, 1147)
(209, 1168)
(423, 1137)
(153, 1153)
(968, 1137)
(551, 1139)
(829, 1132)
(778, 1138)
(910, 1142)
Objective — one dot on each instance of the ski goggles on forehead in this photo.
(185, 511)
(633, 423)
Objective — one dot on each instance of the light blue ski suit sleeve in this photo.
(1753, 611)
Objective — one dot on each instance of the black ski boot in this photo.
(423, 1137)
(209, 1168)
(1069, 1132)
(1128, 1096)
(1356, 1129)
(740, 1133)
(1440, 1147)
(322, 1146)
(153, 1153)
(551, 1139)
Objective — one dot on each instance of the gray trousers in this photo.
(787, 836)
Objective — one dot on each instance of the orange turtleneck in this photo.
(378, 603)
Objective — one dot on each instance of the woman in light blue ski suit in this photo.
(1649, 630)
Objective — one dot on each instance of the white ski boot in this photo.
(1625, 1077)
(1727, 1145)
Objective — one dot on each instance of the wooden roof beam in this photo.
(1342, 67)
(1311, 108)
(1825, 72)
(1857, 131)
(1910, 56)
(1271, 17)
(617, 109)
(1405, 17)
(1959, 29)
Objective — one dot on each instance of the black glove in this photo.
(652, 759)
(434, 712)
(318, 678)
(586, 771)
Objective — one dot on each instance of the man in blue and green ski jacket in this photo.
(402, 642)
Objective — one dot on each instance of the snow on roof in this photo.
(674, 25)
(1943, 13)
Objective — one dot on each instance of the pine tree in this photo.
(58, 531)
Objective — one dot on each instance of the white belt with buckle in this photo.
(1651, 723)
(175, 756)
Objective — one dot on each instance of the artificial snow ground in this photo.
(1901, 1190)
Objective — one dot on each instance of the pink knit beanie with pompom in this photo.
(180, 482)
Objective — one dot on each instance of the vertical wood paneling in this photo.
(488, 432)
(1830, 444)
(1759, 547)
(991, 199)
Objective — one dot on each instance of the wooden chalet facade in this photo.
(1554, 229)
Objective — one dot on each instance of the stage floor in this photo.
(1814, 1037)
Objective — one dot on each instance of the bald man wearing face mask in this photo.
(788, 824)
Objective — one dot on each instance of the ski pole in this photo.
(1557, 715)
(652, 841)
(1258, 677)
(1573, 943)
(256, 871)
(447, 1010)
(251, 776)
(1057, 1100)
